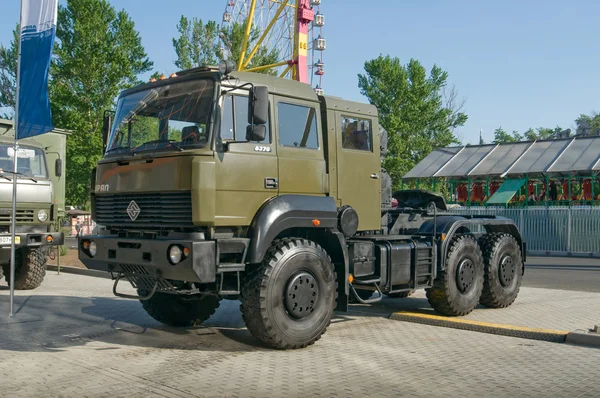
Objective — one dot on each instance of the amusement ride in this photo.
(293, 27)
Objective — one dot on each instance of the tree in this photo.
(411, 108)
(542, 133)
(588, 124)
(197, 43)
(8, 71)
(202, 43)
(502, 137)
(97, 54)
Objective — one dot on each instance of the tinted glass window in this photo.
(297, 126)
(356, 134)
(235, 119)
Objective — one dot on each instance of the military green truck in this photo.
(40, 202)
(233, 185)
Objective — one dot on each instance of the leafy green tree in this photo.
(202, 43)
(197, 43)
(542, 133)
(411, 108)
(502, 137)
(588, 124)
(8, 71)
(98, 53)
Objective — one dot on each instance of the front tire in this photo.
(457, 290)
(30, 268)
(503, 270)
(288, 300)
(179, 311)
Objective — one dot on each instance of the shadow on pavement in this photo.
(64, 322)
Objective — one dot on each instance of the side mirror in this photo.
(258, 105)
(106, 128)
(58, 167)
(256, 133)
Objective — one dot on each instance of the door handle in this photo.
(270, 183)
(374, 176)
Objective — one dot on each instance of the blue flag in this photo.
(38, 31)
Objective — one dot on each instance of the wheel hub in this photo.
(301, 294)
(465, 275)
(506, 270)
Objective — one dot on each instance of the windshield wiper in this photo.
(19, 174)
(116, 149)
(172, 142)
(3, 176)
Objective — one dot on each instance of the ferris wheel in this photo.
(293, 27)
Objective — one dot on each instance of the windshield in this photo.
(30, 161)
(173, 116)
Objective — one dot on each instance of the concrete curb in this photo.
(586, 338)
(80, 271)
(556, 336)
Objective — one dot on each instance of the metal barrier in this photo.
(552, 230)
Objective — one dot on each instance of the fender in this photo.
(288, 211)
(449, 225)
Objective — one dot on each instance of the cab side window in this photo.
(297, 126)
(235, 119)
(357, 134)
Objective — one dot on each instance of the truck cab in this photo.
(219, 184)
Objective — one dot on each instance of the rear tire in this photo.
(30, 268)
(288, 300)
(179, 311)
(503, 270)
(456, 291)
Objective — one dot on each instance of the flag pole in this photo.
(14, 191)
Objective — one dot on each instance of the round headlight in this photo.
(175, 254)
(93, 248)
(42, 215)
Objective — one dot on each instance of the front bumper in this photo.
(32, 239)
(150, 257)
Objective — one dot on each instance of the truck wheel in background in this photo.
(400, 295)
(288, 299)
(180, 311)
(30, 268)
(503, 270)
(456, 291)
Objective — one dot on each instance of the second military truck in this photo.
(40, 202)
(233, 185)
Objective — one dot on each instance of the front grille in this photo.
(152, 210)
(22, 215)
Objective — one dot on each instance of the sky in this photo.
(517, 63)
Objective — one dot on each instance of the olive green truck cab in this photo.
(233, 185)
(40, 202)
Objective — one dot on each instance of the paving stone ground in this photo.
(80, 341)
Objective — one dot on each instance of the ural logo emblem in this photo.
(133, 210)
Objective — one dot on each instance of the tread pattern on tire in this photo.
(489, 244)
(437, 295)
(253, 304)
(32, 270)
(173, 310)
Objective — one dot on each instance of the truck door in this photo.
(302, 168)
(358, 168)
(246, 174)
